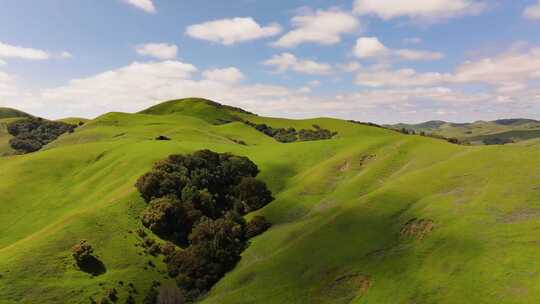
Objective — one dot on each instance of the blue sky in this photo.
(380, 61)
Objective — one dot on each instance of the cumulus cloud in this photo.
(231, 31)
(161, 51)
(533, 11)
(398, 78)
(350, 67)
(434, 10)
(509, 71)
(371, 47)
(66, 55)
(145, 5)
(229, 75)
(287, 61)
(321, 27)
(11, 51)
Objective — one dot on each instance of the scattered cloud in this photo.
(287, 61)
(533, 11)
(431, 11)
(145, 5)
(509, 71)
(229, 75)
(11, 51)
(398, 78)
(160, 51)
(350, 67)
(371, 47)
(231, 31)
(66, 55)
(323, 27)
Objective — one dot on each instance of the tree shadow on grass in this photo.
(93, 266)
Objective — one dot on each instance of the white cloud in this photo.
(145, 5)
(11, 51)
(321, 27)
(350, 67)
(433, 10)
(2, 62)
(371, 47)
(367, 47)
(533, 11)
(231, 31)
(160, 51)
(417, 55)
(287, 61)
(8, 87)
(510, 71)
(398, 78)
(66, 55)
(229, 75)
(508, 68)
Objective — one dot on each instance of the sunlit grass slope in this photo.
(339, 209)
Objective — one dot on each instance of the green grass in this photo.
(337, 213)
(515, 129)
(11, 113)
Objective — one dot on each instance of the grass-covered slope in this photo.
(340, 217)
(11, 113)
(480, 132)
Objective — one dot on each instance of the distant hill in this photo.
(12, 113)
(500, 131)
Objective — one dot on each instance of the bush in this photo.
(257, 226)
(31, 134)
(197, 201)
(82, 252)
(215, 249)
(252, 194)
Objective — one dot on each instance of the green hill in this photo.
(480, 132)
(370, 216)
(12, 113)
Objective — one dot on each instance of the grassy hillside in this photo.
(11, 113)
(342, 216)
(480, 132)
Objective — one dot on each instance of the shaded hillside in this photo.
(12, 113)
(369, 216)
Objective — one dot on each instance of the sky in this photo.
(369, 60)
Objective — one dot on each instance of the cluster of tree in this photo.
(198, 201)
(452, 140)
(370, 124)
(31, 134)
(497, 141)
(287, 135)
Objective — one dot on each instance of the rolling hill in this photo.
(370, 216)
(480, 132)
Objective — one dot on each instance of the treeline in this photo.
(31, 134)
(197, 202)
(288, 135)
(452, 140)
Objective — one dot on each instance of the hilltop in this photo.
(368, 216)
(500, 131)
(12, 113)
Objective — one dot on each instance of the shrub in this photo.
(82, 252)
(252, 194)
(257, 226)
(31, 134)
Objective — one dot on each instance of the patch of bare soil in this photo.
(417, 228)
(519, 215)
(345, 288)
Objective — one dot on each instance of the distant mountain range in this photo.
(500, 131)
